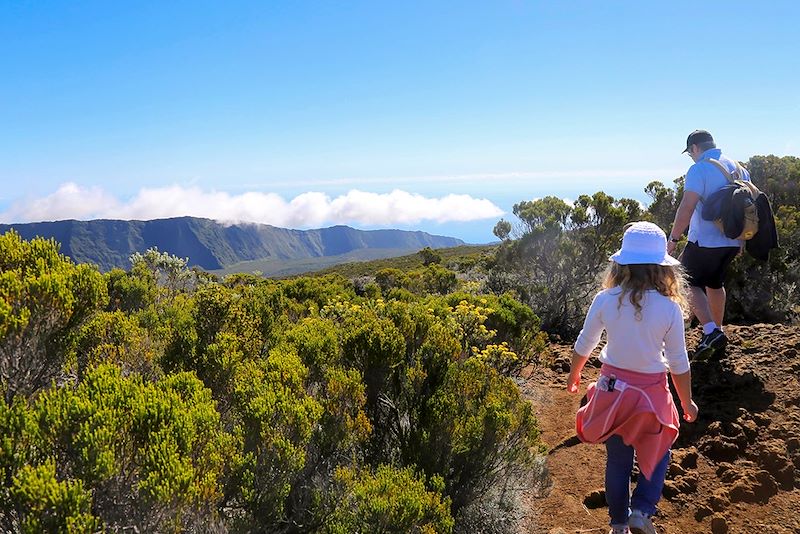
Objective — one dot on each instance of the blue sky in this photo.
(425, 115)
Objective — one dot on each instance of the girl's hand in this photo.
(575, 368)
(690, 412)
(574, 381)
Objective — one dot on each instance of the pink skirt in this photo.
(636, 406)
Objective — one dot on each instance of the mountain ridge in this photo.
(213, 245)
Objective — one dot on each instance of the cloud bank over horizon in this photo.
(72, 201)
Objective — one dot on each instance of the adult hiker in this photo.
(708, 253)
(630, 407)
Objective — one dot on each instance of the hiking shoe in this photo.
(710, 343)
(619, 529)
(639, 523)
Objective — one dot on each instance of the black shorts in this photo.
(707, 267)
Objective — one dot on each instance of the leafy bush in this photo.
(318, 291)
(132, 290)
(44, 298)
(390, 500)
(275, 417)
(391, 278)
(373, 346)
(512, 321)
(778, 177)
(432, 278)
(127, 454)
(114, 337)
(433, 397)
(481, 432)
(317, 343)
(44, 504)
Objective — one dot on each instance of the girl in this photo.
(630, 407)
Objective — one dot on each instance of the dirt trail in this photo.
(736, 469)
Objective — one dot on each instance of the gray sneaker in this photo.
(639, 523)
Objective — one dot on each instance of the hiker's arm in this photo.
(682, 217)
(683, 385)
(575, 368)
(586, 343)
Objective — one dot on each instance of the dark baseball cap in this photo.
(697, 137)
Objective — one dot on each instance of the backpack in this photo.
(733, 208)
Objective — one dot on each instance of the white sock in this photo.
(709, 327)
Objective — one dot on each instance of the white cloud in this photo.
(70, 201)
(311, 209)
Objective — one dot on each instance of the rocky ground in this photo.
(736, 469)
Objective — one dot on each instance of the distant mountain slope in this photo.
(212, 245)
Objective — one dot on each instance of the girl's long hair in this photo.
(634, 280)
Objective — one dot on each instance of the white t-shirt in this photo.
(653, 344)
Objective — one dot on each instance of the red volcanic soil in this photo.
(736, 469)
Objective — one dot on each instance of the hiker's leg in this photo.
(716, 303)
(700, 305)
(648, 492)
(619, 465)
(715, 282)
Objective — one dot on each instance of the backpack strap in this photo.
(722, 169)
(737, 175)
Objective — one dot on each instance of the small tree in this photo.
(554, 263)
(390, 278)
(132, 290)
(429, 256)
(502, 230)
(664, 202)
(438, 280)
(170, 271)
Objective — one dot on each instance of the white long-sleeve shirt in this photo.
(653, 344)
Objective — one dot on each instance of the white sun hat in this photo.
(644, 243)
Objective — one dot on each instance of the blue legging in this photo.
(619, 465)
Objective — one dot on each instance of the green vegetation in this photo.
(161, 399)
(460, 259)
